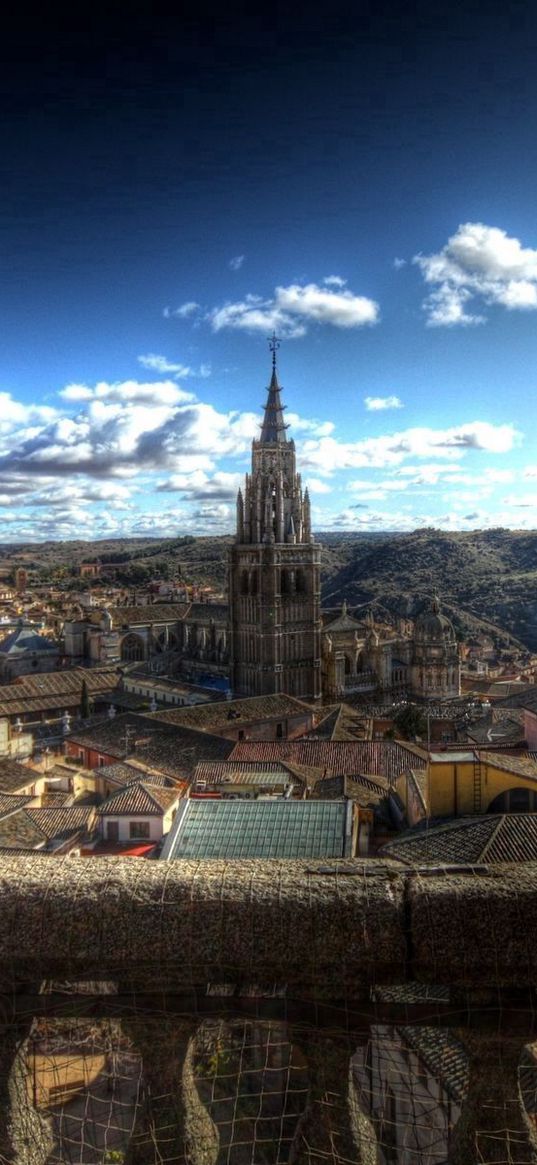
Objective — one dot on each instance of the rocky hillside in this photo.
(486, 579)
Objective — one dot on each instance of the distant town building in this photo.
(24, 651)
(21, 579)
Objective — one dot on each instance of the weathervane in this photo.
(274, 344)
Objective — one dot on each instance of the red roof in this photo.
(119, 850)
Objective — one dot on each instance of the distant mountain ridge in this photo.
(485, 578)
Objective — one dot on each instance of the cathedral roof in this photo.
(343, 622)
(273, 429)
(23, 639)
(432, 626)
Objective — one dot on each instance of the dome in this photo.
(431, 626)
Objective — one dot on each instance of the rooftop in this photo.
(496, 837)
(224, 714)
(384, 758)
(14, 776)
(156, 613)
(259, 829)
(139, 798)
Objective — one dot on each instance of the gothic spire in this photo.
(273, 427)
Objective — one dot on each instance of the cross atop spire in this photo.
(274, 343)
(273, 427)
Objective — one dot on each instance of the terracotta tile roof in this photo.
(515, 839)
(508, 837)
(127, 774)
(20, 831)
(60, 683)
(14, 776)
(226, 713)
(363, 790)
(156, 613)
(205, 611)
(63, 822)
(523, 766)
(506, 730)
(112, 736)
(328, 718)
(178, 753)
(218, 770)
(67, 700)
(383, 758)
(162, 747)
(10, 802)
(139, 798)
(54, 800)
(442, 1053)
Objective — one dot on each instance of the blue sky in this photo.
(362, 180)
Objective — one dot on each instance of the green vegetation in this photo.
(487, 579)
(411, 722)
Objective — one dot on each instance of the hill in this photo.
(486, 579)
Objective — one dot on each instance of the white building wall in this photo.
(155, 827)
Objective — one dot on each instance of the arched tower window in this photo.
(301, 587)
(132, 648)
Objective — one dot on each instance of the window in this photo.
(139, 829)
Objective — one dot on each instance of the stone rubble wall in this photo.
(331, 929)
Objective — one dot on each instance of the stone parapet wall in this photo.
(325, 929)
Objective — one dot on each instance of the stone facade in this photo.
(274, 574)
(362, 658)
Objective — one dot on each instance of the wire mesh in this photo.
(164, 1065)
(143, 1086)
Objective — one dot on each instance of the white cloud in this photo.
(327, 454)
(304, 425)
(198, 486)
(521, 501)
(183, 312)
(378, 403)
(291, 310)
(236, 263)
(334, 281)
(158, 363)
(399, 263)
(316, 486)
(481, 263)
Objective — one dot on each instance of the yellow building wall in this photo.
(451, 786)
(54, 1078)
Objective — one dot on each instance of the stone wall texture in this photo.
(327, 929)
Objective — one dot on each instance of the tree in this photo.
(411, 722)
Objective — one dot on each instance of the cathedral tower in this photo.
(274, 585)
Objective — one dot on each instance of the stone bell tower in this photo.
(274, 584)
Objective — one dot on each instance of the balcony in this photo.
(267, 1012)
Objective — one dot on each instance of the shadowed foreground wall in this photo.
(330, 930)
